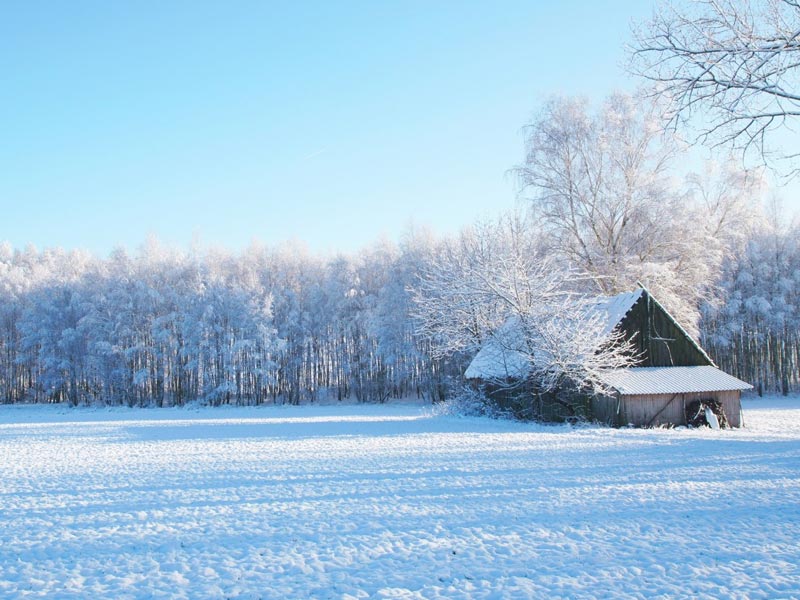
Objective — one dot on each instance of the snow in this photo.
(393, 502)
(612, 309)
(502, 356)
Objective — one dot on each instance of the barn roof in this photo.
(672, 380)
(612, 309)
(503, 356)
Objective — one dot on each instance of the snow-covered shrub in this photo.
(469, 402)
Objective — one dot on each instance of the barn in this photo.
(672, 381)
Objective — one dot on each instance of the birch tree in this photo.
(600, 185)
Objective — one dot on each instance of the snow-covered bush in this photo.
(469, 402)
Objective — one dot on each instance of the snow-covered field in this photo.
(391, 502)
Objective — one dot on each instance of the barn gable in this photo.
(658, 338)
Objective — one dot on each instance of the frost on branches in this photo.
(730, 68)
(537, 334)
(602, 187)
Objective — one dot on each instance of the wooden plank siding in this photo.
(657, 338)
(605, 409)
(654, 410)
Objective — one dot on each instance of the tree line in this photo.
(754, 332)
(165, 327)
(278, 325)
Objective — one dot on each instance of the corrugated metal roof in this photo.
(672, 380)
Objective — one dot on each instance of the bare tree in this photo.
(729, 67)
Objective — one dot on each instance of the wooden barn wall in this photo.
(641, 410)
(651, 410)
(604, 409)
(651, 327)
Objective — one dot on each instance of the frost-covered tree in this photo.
(728, 201)
(603, 187)
(495, 292)
(160, 328)
(729, 68)
(454, 304)
(753, 332)
(599, 184)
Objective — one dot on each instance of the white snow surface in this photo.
(502, 356)
(393, 502)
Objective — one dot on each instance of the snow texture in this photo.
(502, 356)
(393, 502)
(672, 380)
(612, 309)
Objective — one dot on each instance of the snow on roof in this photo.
(503, 355)
(672, 380)
(612, 309)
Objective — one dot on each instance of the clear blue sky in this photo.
(333, 123)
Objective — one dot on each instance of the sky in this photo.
(331, 123)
